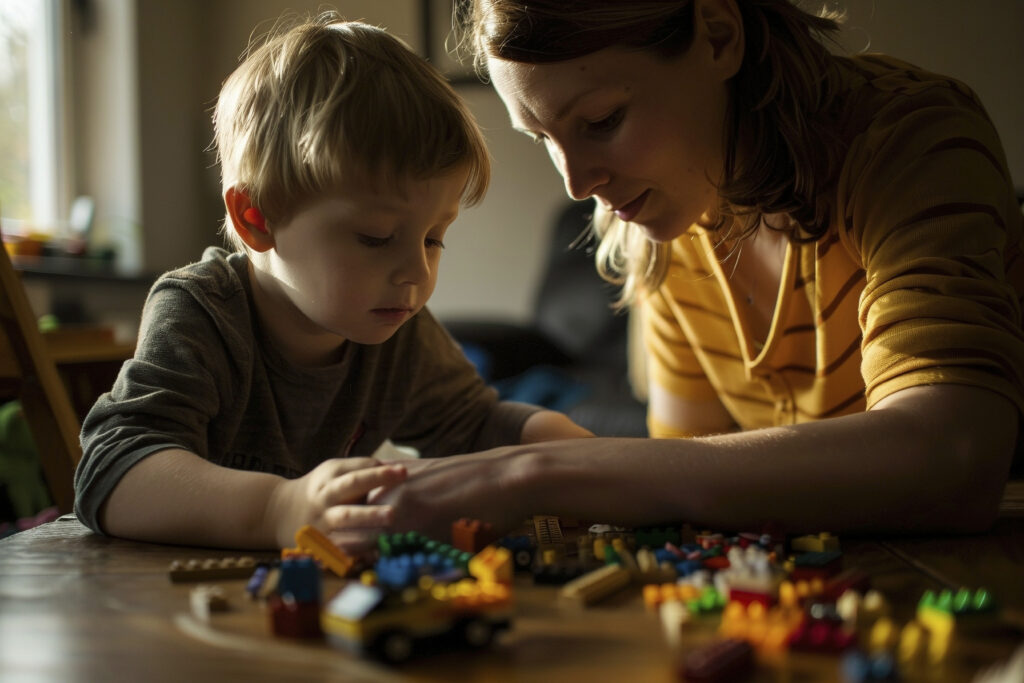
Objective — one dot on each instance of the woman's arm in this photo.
(931, 458)
(175, 496)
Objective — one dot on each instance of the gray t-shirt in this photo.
(205, 379)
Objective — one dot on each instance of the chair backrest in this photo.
(28, 372)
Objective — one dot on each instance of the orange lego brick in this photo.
(472, 535)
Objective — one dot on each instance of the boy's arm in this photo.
(548, 425)
(175, 496)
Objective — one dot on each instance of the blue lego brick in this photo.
(299, 578)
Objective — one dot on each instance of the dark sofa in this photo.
(572, 357)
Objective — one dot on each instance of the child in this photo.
(259, 373)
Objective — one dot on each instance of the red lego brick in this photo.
(292, 619)
(724, 660)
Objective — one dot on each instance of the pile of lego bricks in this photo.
(417, 590)
(768, 594)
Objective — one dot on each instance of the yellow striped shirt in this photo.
(918, 280)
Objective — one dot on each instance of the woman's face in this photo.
(643, 135)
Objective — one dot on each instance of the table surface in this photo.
(75, 606)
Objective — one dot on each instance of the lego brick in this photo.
(472, 535)
(412, 542)
(767, 629)
(595, 585)
(205, 599)
(815, 565)
(492, 564)
(814, 543)
(859, 666)
(291, 619)
(724, 660)
(674, 616)
(259, 579)
(822, 631)
(522, 550)
(300, 578)
(548, 530)
(212, 569)
(310, 540)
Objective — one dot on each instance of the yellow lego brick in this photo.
(815, 543)
(310, 540)
(595, 586)
(492, 565)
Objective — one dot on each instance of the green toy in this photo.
(19, 463)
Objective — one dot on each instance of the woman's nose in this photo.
(580, 171)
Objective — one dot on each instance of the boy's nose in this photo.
(414, 267)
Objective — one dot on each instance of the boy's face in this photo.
(356, 263)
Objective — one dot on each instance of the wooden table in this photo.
(75, 606)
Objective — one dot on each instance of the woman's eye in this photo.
(431, 242)
(608, 123)
(371, 241)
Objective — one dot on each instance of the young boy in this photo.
(259, 373)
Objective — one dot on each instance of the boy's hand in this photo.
(332, 498)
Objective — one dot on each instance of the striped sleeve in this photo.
(931, 214)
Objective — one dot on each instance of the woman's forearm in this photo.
(924, 462)
(175, 496)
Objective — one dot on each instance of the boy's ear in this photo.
(247, 221)
(721, 24)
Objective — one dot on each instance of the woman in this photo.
(825, 252)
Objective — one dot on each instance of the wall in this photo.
(977, 42)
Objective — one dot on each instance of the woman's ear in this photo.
(247, 220)
(720, 23)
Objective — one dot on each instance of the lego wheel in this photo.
(395, 647)
(477, 632)
(523, 559)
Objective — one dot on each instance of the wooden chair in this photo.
(28, 372)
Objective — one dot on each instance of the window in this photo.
(32, 160)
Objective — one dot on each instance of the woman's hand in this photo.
(490, 486)
(333, 498)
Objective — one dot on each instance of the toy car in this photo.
(389, 624)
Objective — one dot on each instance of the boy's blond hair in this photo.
(327, 101)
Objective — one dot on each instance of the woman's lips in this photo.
(630, 210)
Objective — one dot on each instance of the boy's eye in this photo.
(371, 241)
(431, 242)
(608, 123)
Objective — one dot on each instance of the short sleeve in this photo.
(929, 210)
